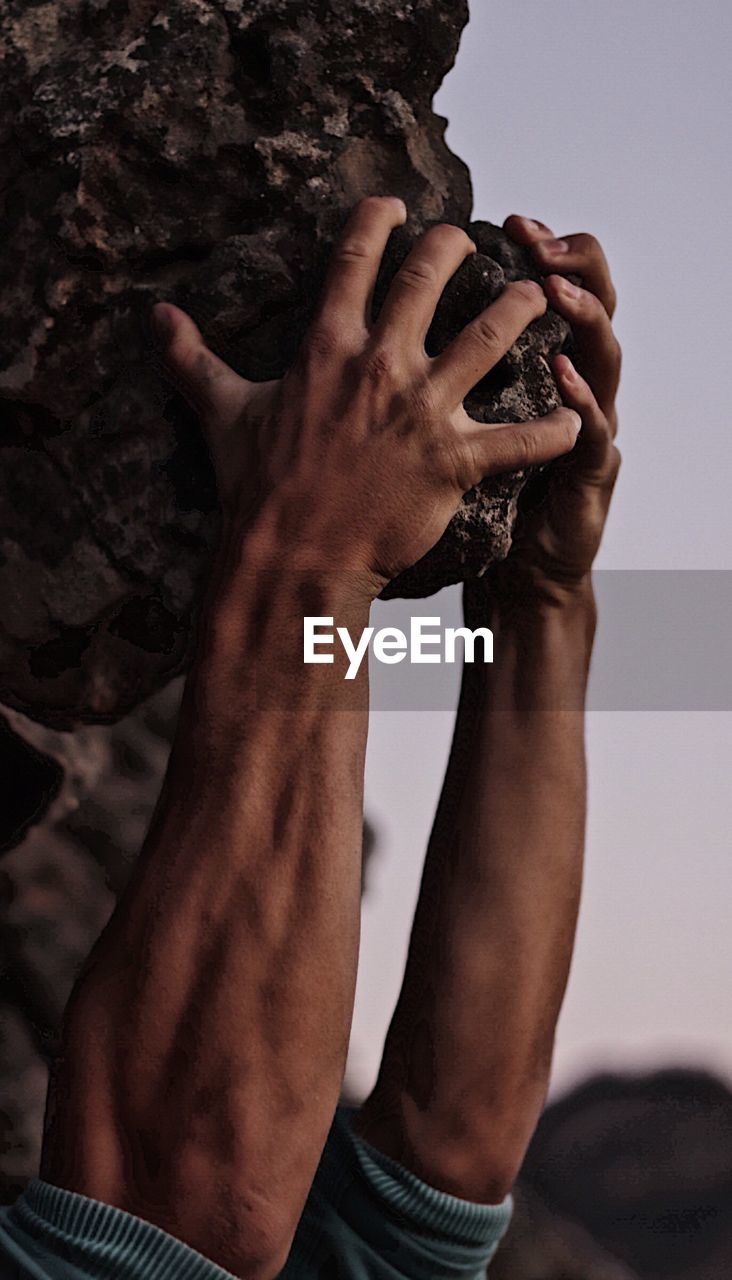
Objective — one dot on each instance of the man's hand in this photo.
(365, 441)
(563, 513)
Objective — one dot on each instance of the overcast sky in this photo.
(611, 118)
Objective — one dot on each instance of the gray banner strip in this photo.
(664, 643)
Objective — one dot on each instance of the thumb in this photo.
(210, 386)
(496, 449)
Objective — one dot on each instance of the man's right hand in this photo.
(360, 455)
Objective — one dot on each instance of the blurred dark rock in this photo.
(54, 905)
(31, 780)
(57, 889)
(43, 773)
(23, 1079)
(541, 1245)
(644, 1164)
(204, 153)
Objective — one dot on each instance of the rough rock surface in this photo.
(203, 152)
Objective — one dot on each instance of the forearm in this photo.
(206, 1041)
(468, 1053)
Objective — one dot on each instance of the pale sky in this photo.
(615, 120)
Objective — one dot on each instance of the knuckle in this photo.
(591, 305)
(320, 342)
(419, 274)
(527, 290)
(378, 366)
(453, 459)
(353, 249)
(586, 244)
(371, 204)
(204, 367)
(182, 353)
(446, 235)
(421, 402)
(527, 446)
(616, 461)
(486, 333)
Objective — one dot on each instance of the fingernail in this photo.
(568, 289)
(568, 370)
(533, 285)
(577, 422)
(162, 322)
(554, 246)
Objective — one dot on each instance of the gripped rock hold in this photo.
(520, 387)
(204, 152)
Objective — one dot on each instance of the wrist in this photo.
(531, 604)
(542, 649)
(285, 544)
(265, 600)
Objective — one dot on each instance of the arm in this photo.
(468, 1054)
(205, 1043)
(219, 999)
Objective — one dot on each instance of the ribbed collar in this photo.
(118, 1244)
(424, 1206)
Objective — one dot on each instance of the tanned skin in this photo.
(467, 1058)
(205, 1043)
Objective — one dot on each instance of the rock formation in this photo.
(204, 152)
(644, 1165)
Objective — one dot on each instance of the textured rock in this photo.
(203, 152)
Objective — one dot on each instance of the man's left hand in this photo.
(557, 538)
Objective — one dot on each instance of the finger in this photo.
(580, 255)
(526, 230)
(483, 342)
(594, 447)
(597, 349)
(354, 266)
(210, 386)
(495, 449)
(417, 287)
